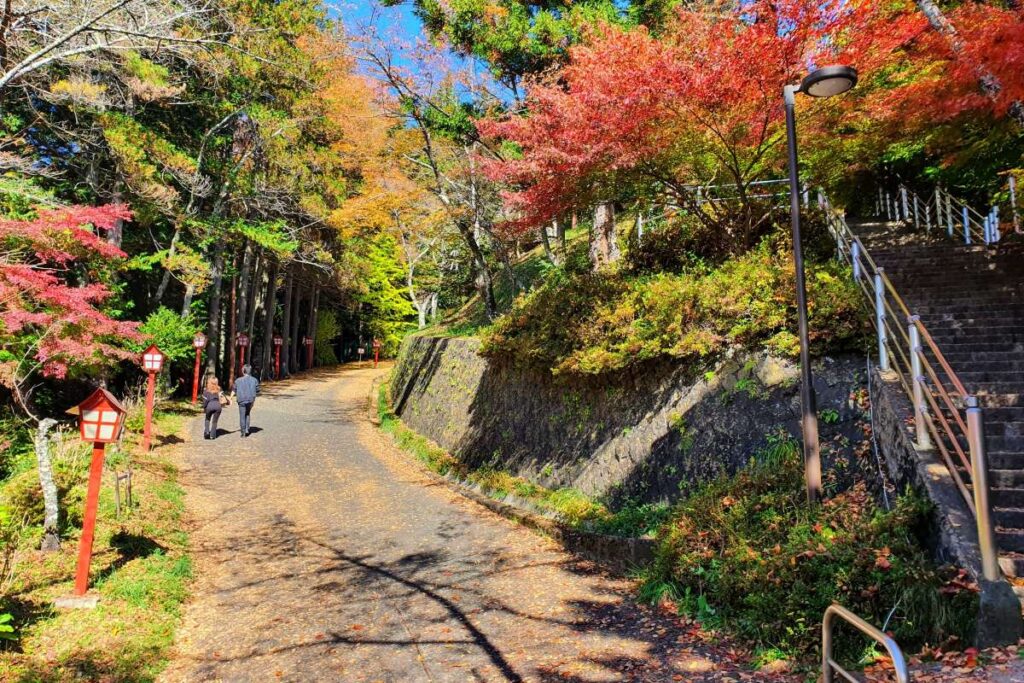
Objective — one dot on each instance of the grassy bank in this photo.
(748, 554)
(141, 566)
(568, 505)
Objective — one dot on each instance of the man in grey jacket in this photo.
(246, 388)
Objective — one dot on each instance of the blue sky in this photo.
(400, 18)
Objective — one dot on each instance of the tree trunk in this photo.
(243, 285)
(269, 309)
(51, 515)
(547, 243)
(311, 323)
(316, 321)
(293, 329)
(483, 280)
(116, 234)
(166, 279)
(289, 295)
(186, 302)
(213, 335)
(604, 247)
(232, 332)
(254, 293)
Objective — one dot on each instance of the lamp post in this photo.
(198, 343)
(243, 344)
(152, 363)
(100, 420)
(824, 82)
(376, 351)
(278, 341)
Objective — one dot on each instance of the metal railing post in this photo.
(883, 352)
(829, 665)
(917, 218)
(967, 228)
(938, 207)
(979, 482)
(928, 217)
(986, 228)
(855, 257)
(888, 206)
(1013, 203)
(906, 209)
(949, 215)
(920, 406)
(995, 224)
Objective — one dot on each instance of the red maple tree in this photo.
(51, 295)
(700, 104)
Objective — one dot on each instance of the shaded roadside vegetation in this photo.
(748, 554)
(565, 504)
(141, 567)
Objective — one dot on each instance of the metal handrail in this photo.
(829, 667)
(945, 414)
(952, 215)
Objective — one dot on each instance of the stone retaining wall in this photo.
(646, 436)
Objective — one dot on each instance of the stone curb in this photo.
(617, 553)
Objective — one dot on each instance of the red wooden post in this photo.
(199, 342)
(89, 522)
(148, 428)
(152, 361)
(195, 378)
(100, 420)
(376, 352)
(243, 343)
(277, 355)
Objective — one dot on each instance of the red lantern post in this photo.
(152, 362)
(277, 355)
(100, 420)
(308, 341)
(199, 343)
(243, 344)
(376, 351)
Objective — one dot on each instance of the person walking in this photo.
(214, 401)
(246, 388)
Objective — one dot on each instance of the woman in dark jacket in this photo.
(214, 401)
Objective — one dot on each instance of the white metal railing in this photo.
(829, 667)
(946, 416)
(942, 212)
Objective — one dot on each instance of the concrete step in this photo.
(1009, 518)
(1007, 498)
(1010, 540)
(1010, 460)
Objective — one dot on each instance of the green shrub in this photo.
(747, 553)
(588, 324)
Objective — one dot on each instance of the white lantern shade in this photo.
(100, 417)
(278, 340)
(243, 340)
(152, 359)
(199, 341)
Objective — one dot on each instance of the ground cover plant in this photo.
(141, 566)
(582, 322)
(748, 554)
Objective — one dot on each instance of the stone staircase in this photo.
(971, 300)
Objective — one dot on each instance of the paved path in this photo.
(324, 554)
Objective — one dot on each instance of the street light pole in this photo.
(808, 403)
(824, 82)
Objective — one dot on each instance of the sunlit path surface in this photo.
(324, 554)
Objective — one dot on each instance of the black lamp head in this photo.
(829, 80)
